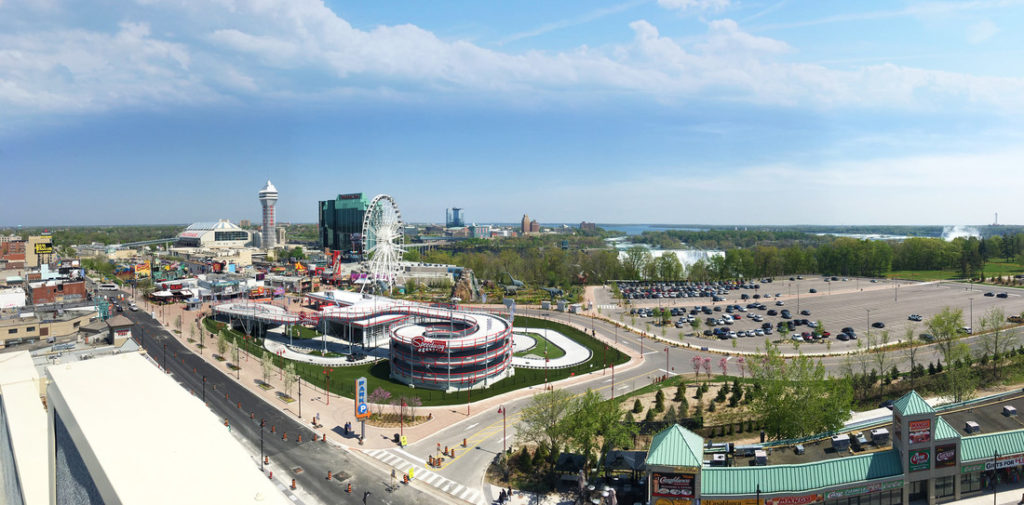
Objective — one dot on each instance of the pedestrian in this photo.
(501, 496)
(365, 496)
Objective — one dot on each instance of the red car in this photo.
(737, 316)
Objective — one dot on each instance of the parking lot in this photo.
(854, 303)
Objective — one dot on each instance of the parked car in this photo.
(843, 336)
(914, 317)
(812, 290)
(779, 303)
(878, 324)
(772, 312)
(847, 330)
(927, 337)
(989, 293)
(1002, 295)
(967, 329)
(805, 312)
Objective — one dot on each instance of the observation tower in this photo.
(268, 199)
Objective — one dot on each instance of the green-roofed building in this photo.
(929, 460)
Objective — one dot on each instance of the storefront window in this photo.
(972, 482)
(944, 486)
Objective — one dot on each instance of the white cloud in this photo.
(273, 47)
(702, 5)
(981, 31)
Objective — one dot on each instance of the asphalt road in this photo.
(314, 458)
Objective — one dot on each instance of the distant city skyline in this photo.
(661, 111)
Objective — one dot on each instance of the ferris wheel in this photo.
(383, 235)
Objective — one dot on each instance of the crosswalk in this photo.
(396, 461)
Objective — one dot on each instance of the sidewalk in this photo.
(334, 416)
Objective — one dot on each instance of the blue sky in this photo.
(668, 111)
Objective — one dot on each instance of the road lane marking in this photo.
(471, 426)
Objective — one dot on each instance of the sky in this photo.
(643, 111)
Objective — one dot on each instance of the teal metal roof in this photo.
(805, 477)
(912, 404)
(985, 446)
(943, 431)
(676, 446)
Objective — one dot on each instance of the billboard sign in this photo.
(423, 345)
(673, 485)
(920, 459)
(920, 431)
(945, 455)
(362, 408)
(46, 248)
(142, 270)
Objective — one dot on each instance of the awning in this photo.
(161, 294)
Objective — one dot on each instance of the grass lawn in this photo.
(553, 351)
(924, 275)
(342, 379)
(303, 332)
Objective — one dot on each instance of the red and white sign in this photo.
(794, 500)
(920, 431)
(423, 345)
(676, 485)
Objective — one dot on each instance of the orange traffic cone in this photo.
(300, 438)
(464, 442)
(328, 475)
(349, 490)
(324, 439)
(285, 437)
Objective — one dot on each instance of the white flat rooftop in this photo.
(155, 443)
(26, 421)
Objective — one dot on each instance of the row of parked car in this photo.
(639, 290)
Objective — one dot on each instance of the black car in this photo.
(878, 324)
(847, 330)
(990, 294)
(772, 312)
(813, 290)
(1002, 295)
(843, 336)
(927, 337)
(885, 405)
(805, 312)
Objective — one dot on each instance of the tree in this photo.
(266, 365)
(995, 342)
(636, 261)
(880, 344)
(378, 398)
(590, 419)
(659, 401)
(234, 352)
(908, 337)
(680, 392)
(945, 327)
(289, 377)
(541, 420)
(222, 343)
(960, 382)
(525, 461)
(795, 398)
(177, 323)
(650, 415)
(637, 406)
(670, 415)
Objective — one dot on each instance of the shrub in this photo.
(637, 406)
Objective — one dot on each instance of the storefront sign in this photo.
(362, 409)
(423, 345)
(672, 485)
(870, 488)
(945, 455)
(794, 500)
(671, 501)
(920, 431)
(750, 501)
(920, 459)
(1004, 462)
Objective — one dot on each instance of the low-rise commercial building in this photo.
(92, 458)
(24, 328)
(57, 291)
(12, 298)
(925, 459)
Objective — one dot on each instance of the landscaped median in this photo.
(341, 380)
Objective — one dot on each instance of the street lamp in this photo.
(327, 386)
(666, 362)
(757, 499)
(263, 422)
(504, 435)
